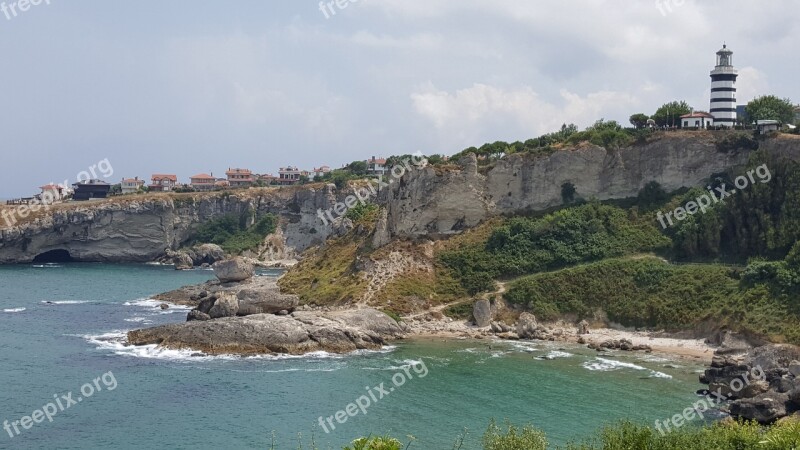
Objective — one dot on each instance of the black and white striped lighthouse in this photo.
(723, 89)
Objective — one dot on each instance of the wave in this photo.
(14, 310)
(555, 354)
(46, 266)
(609, 365)
(117, 343)
(156, 305)
(64, 302)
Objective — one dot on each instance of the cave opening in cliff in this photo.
(53, 256)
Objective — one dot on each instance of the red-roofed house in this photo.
(376, 166)
(131, 185)
(240, 177)
(163, 182)
(203, 182)
(697, 119)
(51, 193)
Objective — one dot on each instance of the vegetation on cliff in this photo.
(235, 234)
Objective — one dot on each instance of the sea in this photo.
(63, 361)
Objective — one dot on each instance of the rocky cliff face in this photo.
(431, 201)
(132, 230)
(434, 202)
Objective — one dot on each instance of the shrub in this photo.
(512, 438)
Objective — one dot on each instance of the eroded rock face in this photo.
(225, 306)
(298, 333)
(233, 270)
(526, 325)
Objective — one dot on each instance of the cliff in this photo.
(141, 228)
(432, 201)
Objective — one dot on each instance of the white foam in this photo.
(608, 365)
(155, 305)
(555, 354)
(14, 310)
(144, 320)
(117, 343)
(47, 266)
(525, 347)
(64, 302)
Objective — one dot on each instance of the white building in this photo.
(697, 119)
(131, 185)
(723, 89)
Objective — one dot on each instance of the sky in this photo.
(193, 86)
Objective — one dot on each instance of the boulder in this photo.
(233, 270)
(526, 325)
(182, 261)
(482, 312)
(206, 304)
(265, 301)
(763, 408)
(583, 327)
(197, 315)
(225, 306)
(207, 254)
(298, 333)
(164, 306)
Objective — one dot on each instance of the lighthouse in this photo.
(723, 89)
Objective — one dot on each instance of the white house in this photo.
(697, 119)
(131, 185)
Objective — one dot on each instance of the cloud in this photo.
(479, 111)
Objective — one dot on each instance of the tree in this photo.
(639, 120)
(670, 114)
(357, 167)
(771, 107)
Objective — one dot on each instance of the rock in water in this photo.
(482, 312)
(164, 306)
(236, 269)
(225, 306)
(299, 333)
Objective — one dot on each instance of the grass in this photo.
(327, 275)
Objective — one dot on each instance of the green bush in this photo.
(376, 443)
(571, 236)
(512, 438)
(232, 233)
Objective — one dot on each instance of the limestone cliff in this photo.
(432, 201)
(134, 229)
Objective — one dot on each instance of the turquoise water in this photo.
(170, 399)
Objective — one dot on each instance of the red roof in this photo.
(51, 187)
(132, 180)
(238, 171)
(377, 161)
(697, 114)
(202, 175)
(160, 176)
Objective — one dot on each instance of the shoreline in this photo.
(693, 350)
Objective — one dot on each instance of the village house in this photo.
(267, 179)
(239, 178)
(376, 166)
(697, 119)
(203, 182)
(131, 185)
(90, 189)
(289, 175)
(320, 172)
(163, 182)
(51, 193)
